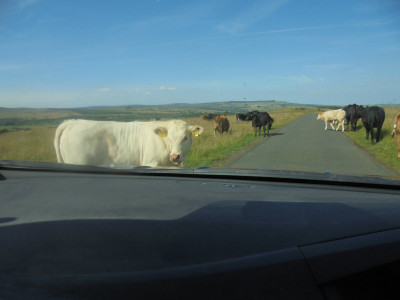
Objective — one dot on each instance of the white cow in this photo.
(331, 116)
(158, 143)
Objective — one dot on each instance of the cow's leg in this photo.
(378, 133)
(342, 125)
(263, 130)
(333, 127)
(326, 124)
(398, 146)
(372, 136)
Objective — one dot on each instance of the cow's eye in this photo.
(185, 138)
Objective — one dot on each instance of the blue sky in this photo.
(74, 53)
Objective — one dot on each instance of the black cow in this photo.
(241, 117)
(373, 116)
(353, 113)
(347, 116)
(260, 119)
(250, 113)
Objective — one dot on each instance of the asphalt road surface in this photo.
(303, 145)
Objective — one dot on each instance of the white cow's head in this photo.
(178, 138)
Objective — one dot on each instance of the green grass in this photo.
(36, 144)
(386, 149)
(28, 145)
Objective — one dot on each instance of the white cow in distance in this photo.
(332, 115)
(157, 143)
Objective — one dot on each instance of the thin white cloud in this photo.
(295, 79)
(301, 79)
(25, 3)
(163, 88)
(255, 14)
(327, 67)
(11, 67)
(103, 90)
(286, 30)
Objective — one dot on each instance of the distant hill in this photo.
(238, 106)
(231, 107)
(28, 117)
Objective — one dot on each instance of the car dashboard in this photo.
(94, 233)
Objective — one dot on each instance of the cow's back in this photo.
(86, 142)
(373, 116)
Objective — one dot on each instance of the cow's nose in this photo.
(175, 157)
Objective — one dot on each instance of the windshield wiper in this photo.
(260, 175)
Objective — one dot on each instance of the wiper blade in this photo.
(116, 169)
(261, 175)
(304, 177)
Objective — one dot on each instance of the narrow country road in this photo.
(303, 145)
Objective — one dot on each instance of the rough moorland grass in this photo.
(28, 145)
(37, 144)
(386, 149)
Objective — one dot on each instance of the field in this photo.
(29, 136)
(386, 149)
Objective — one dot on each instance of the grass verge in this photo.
(386, 149)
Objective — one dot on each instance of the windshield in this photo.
(309, 86)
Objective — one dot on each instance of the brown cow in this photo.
(209, 117)
(221, 124)
(396, 131)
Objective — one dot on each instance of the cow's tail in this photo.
(57, 138)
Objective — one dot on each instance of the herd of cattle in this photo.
(258, 120)
(371, 116)
(167, 143)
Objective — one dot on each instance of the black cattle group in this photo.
(258, 120)
(371, 116)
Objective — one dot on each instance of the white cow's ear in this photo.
(196, 130)
(161, 131)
